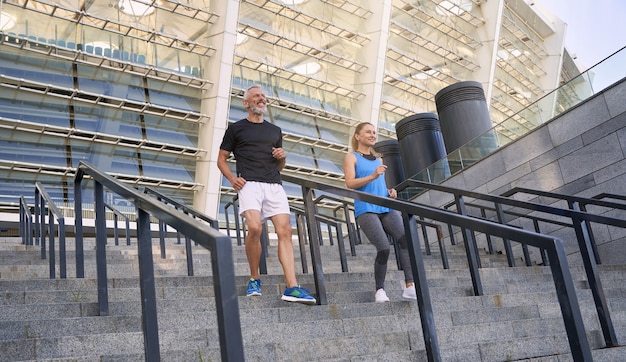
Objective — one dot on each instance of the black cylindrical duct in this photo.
(421, 142)
(390, 151)
(463, 113)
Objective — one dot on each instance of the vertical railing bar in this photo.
(51, 247)
(101, 239)
(507, 244)
(37, 221)
(442, 247)
(42, 224)
(300, 227)
(78, 226)
(427, 318)
(595, 284)
(147, 286)
(162, 231)
(189, 252)
(62, 249)
(342, 248)
(483, 213)
(566, 294)
(316, 260)
(470, 250)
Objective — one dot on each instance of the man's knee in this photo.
(254, 230)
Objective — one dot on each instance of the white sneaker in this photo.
(409, 293)
(381, 296)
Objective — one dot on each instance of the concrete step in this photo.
(45, 319)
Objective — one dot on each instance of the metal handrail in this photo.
(336, 223)
(220, 246)
(606, 195)
(118, 214)
(43, 201)
(580, 221)
(566, 294)
(26, 222)
(535, 220)
(235, 206)
(188, 211)
(575, 203)
(344, 205)
(184, 208)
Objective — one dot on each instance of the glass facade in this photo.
(125, 85)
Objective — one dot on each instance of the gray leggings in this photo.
(376, 227)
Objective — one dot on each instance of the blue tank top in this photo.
(378, 187)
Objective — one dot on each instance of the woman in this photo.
(364, 171)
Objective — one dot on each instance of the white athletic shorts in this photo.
(269, 198)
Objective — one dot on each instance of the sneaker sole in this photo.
(287, 298)
(409, 297)
(254, 294)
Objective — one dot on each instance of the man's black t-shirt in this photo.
(252, 144)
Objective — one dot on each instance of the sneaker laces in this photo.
(298, 289)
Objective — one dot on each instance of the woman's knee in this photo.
(382, 256)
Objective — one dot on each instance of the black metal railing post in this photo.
(566, 294)
(37, 220)
(483, 213)
(229, 325)
(301, 230)
(505, 242)
(26, 222)
(577, 206)
(316, 260)
(219, 245)
(471, 249)
(595, 284)
(148, 289)
(51, 247)
(264, 239)
(162, 231)
(101, 241)
(427, 317)
(78, 226)
(42, 223)
(54, 216)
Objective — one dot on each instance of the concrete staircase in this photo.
(518, 318)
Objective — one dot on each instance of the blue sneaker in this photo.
(299, 295)
(254, 287)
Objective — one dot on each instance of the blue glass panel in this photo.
(301, 126)
(38, 69)
(237, 112)
(111, 121)
(168, 167)
(125, 161)
(55, 112)
(174, 96)
(35, 149)
(171, 131)
(113, 84)
(327, 165)
(17, 183)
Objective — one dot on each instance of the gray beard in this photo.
(258, 111)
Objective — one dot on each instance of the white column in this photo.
(554, 45)
(370, 82)
(486, 55)
(215, 104)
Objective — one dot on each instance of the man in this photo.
(259, 156)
